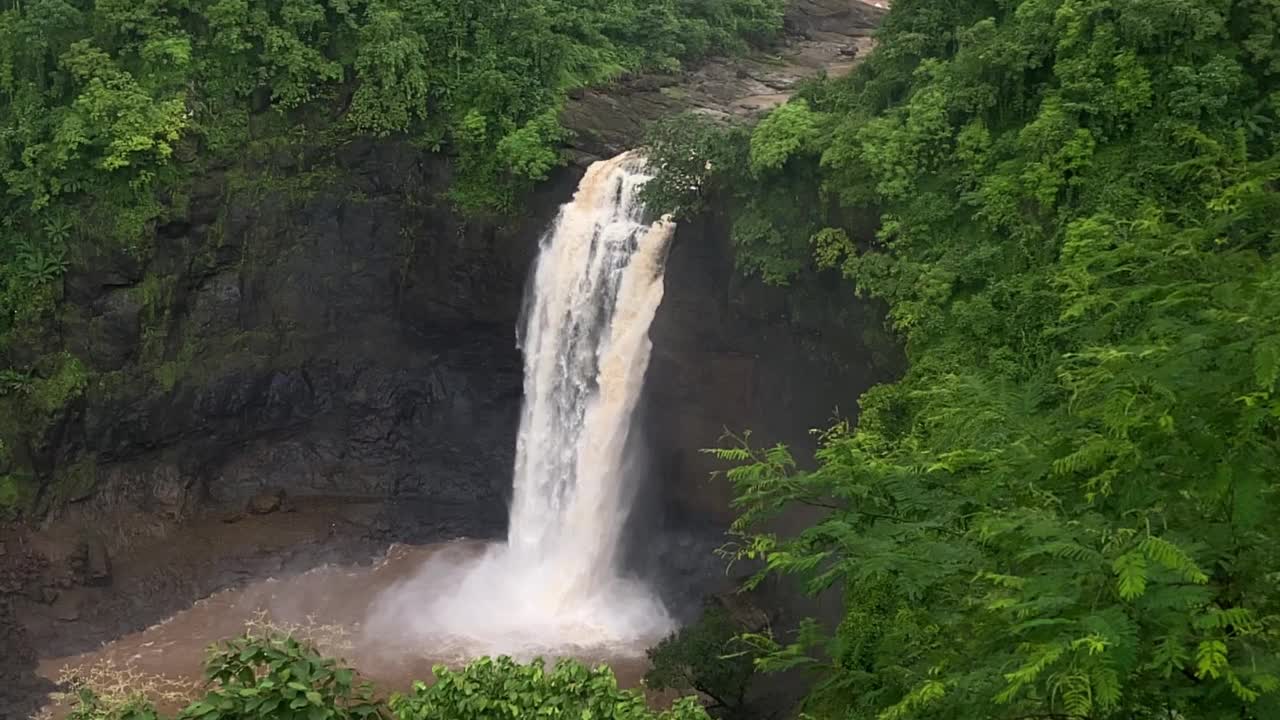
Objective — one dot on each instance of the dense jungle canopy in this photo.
(1066, 509)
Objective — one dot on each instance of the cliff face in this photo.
(734, 355)
(320, 320)
(821, 37)
(327, 327)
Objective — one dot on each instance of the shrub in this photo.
(503, 689)
(281, 678)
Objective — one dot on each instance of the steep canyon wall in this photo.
(327, 328)
(358, 339)
(319, 319)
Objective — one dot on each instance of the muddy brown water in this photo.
(327, 605)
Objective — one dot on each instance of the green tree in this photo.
(1061, 510)
(274, 676)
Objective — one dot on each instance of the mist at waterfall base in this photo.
(554, 588)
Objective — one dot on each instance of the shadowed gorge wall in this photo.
(733, 354)
(347, 336)
(355, 337)
(318, 318)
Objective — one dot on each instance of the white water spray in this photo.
(555, 587)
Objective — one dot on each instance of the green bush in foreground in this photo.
(503, 689)
(708, 657)
(281, 678)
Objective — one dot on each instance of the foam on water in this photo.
(554, 587)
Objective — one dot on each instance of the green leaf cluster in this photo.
(280, 678)
(97, 96)
(99, 100)
(504, 689)
(1067, 506)
(277, 677)
(708, 657)
(703, 163)
(90, 706)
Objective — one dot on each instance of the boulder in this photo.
(266, 502)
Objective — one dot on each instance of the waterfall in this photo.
(597, 284)
(554, 586)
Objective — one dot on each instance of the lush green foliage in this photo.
(703, 162)
(277, 677)
(691, 155)
(503, 689)
(707, 657)
(1066, 508)
(280, 678)
(96, 99)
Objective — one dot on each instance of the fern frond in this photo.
(1242, 621)
(1211, 659)
(930, 692)
(1131, 571)
(1173, 558)
(1075, 693)
(1044, 657)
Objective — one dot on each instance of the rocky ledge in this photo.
(821, 36)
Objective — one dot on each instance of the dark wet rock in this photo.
(357, 340)
(109, 266)
(172, 492)
(266, 502)
(115, 329)
(743, 611)
(731, 353)
(21, 690)
(215, 305)
(97, 562)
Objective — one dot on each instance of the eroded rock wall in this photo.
(733, 355)
(322, 321)
(327, 327)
